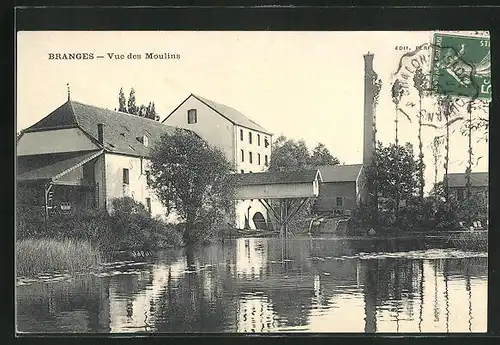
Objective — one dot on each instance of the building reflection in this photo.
(256, 285)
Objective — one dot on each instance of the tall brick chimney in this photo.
(368, 135)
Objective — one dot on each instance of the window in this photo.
(148, 178)
(250, 157)
(266, 142)
(250, 137)
(148, 204)
(339, 201)
(126, 176)
(242, 155)
(145, 140)
(266, 160)
(242, 171)
(258, 158)
(258, 139)
(192, 116)
(241, 134)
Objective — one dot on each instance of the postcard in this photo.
(252, 181)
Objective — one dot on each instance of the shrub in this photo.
(132, 227)
(35, 256)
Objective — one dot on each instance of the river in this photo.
(269, 285)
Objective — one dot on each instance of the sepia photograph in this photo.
(251, 181)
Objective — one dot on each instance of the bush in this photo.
(133, 228)
(35, 256)
(129, 227)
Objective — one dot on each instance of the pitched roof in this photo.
(277, 177)
(340, 173)
(51, 166)
(231, 114)
(477, 179)
(122, 131)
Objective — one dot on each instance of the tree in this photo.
(122, 101)
(142, 110)
(397, 94)
(420, 82)
(194, 178)
(151, 112)
(322, 156)
(396, 171)
(289, 155)
(131, 106)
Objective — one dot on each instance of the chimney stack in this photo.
(368, 135)
(100, 133)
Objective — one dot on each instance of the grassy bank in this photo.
(36, 256)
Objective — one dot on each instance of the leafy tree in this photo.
(322, 156)
(289, 155)
(420, 83)
(131, 106)
(122, 101)
(193, 178)
(397, 93)
(396, 171)
(142, 110)
(151, 112)
(292, 155)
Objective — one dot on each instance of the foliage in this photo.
(420, 83)
(36, 256)
(133, 228)
(132, 108)
(129, 227)
(377, 86)
(192, 177)
(289, 155)
(122, 101)
(322, 156)
(292, 155)
(395, 170)
(397, 91)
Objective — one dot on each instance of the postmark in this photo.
(451, 65)
(461, 66)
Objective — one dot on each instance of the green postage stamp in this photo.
(461, 66)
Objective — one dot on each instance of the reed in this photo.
(470, 240)
(36, 256)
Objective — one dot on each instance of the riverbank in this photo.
(36, 256)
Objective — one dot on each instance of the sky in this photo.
(304, 85)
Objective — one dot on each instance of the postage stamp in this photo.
(461, 66)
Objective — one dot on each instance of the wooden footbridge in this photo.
(291, 190)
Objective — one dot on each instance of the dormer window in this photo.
(145, 140)
(192, 116)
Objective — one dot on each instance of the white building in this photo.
(86, 156)
(245, 143)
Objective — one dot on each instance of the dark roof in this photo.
(231, 114)
(477, 179)
(122, 131)
(51, 166)
(340, 173)
(276, 177)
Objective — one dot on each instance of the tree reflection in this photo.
(370, 292)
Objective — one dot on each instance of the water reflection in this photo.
(261, 285)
